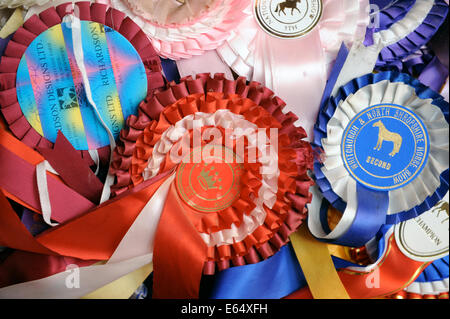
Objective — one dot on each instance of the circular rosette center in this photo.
(385, 147)
(209, 178)
(288, 19)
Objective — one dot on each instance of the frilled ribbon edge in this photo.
(150, 110)
(327, 112)
(192, 42)
(392, 12)
(36, 25)
(417, 38)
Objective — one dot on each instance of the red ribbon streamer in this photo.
(177, 242)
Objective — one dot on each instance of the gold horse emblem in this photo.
(385, 135)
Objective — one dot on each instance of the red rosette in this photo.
(36, 25)
(253, 103)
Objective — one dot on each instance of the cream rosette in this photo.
(295, 62)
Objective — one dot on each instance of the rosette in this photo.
(184, 29)
(403, 174)
(289, 46)
(42, 93)
(242, 211)
(406, 25)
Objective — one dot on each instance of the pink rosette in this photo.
(294, 64)
(206, 29)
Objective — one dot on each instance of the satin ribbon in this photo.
(134, 252)
(323, 281)
(349, 222)
(370, 215)
(17, 176)
(171, 251)
(273, 278)
(365, 57)
(73, 170)
(392, 272)
(209, 62)
(75, 24)
(287, 76)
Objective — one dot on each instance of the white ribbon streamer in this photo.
(44, 197)
(133, 252)
(75, 24)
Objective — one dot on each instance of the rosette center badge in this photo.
(385, 147)
(213, 184)
(288, 19)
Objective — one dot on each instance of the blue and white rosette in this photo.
(433, 280)
(398, 174)
(405, 26)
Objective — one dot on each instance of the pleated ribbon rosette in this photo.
(295, 62)
(405, 26)
(182, 29)
(214, 233)
(26, 128)
(368, 203)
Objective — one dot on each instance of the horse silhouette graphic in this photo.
(385, 135)
(289, 4)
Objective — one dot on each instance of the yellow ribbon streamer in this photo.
(124, 287)
(13, 23)
(317, 265)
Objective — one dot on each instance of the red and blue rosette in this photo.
(248, 223)
(33, 120)
(362, 180)
(405, 26)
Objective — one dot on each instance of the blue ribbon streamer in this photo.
(273, 278)
(328, 110)
(3, 44)
(170, 70)
(370, 216)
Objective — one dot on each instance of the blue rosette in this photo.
(405, 26)
(369, 204)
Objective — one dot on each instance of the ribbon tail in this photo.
(370, 216)
(323, 282)
(179, 253)
(299, 78)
